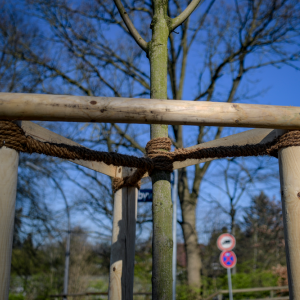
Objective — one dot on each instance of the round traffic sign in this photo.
(226, 242)
(228, 259)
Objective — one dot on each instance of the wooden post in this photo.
(8, 185)
(289, 168)
(123, 242)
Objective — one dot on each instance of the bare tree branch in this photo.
(139, 40)
(184, 15)
(128, 138)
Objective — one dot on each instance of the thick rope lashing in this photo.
(158, 155)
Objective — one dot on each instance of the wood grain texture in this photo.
(45, 135)
(145, 111)
(123, 242)
(289, 168)
(9, 160)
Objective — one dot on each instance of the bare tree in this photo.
(264, 228)
(236, 179)
(84, 48)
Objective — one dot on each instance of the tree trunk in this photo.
(193, 256)
(162, 204)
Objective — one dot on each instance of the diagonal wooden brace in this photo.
(44, 135)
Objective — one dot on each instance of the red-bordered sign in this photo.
(228, 259)
(226, 242)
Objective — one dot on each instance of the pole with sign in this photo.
(226, 242)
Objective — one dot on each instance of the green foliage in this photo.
(240, 280)
(143, 268)
(184, 292)
(16, 297)
(99, 285)
(38, 286)
(37, 272)
(258, 278)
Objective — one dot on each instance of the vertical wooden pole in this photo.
(123, 242)
(9, 160)
(289, 168)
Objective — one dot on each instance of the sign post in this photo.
(229, 284)
(226, 242)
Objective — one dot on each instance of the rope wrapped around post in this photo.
(158, 155)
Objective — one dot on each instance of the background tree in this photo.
(264, 228)
(259, 248)
(84, 48)
(236, 179)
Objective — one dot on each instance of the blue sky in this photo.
(283, 83)
(281, 87)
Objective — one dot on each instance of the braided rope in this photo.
(158, 152)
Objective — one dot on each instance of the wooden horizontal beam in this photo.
(145, 111)
(257, 289)
(251, 290)
(44, 135)
(273, 298)
(94, 294)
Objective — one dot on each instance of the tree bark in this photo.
(188, 204)
(162, 204)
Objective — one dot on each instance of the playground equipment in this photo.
(26, 136)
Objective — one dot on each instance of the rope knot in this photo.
(158, 144)
(131, 181)
(12, 136)
(288, 139)
(158, 151)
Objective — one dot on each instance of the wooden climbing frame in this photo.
(125, 110)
